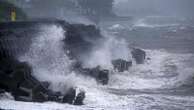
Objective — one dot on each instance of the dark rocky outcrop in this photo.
(101, 75)
(121, 65)
(81, 39)
(79, 42)
(72, 98)
(79, 98)
(139, 55)
(16, 78)
(70, 95)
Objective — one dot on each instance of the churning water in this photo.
(164, 82)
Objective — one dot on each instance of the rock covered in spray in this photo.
(16, 78)
(121, 65)
(138, 55)
(80, 39)
(101, 75)
(24, 87)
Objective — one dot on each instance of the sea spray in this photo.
(163, 70)
(48, 59)
(111, 48)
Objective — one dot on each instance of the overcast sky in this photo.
(168, 7)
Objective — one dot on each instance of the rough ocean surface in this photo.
(164, 82)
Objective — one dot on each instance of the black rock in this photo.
(70, 96)
(79, 98)
(81, 39)
(16, 78)
(139, 55)
(101, 75)
(121, 65)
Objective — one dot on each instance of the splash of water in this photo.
(47, 58)
(164, 70)
(110, 49)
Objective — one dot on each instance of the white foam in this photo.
(50, 63)
(165, 70)
(116, 27)
(47, 58)
(110, 49)
(143, 23)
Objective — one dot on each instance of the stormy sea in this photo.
(165, 81)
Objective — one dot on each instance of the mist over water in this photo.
(178, 8)
(165, 71)
(108, 50)
(48, 59)
(164, 30)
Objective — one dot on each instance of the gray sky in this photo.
(166, 7)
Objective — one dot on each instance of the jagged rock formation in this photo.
(16, 78)
(101, 75)
(121, 65)
(139, 55)
(81, 39)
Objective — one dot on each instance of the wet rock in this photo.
(79, 98)
(16, 78)
(70, 96)
(80, 40)
(139, 55)
(73, 96)
(101, 75)
(121, 65)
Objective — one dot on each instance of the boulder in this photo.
(101, 75)
(16, 78)
(73, 96)
(80, 40)
(121, 65)
(79, 98)
(138, 55)
(70, 96)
